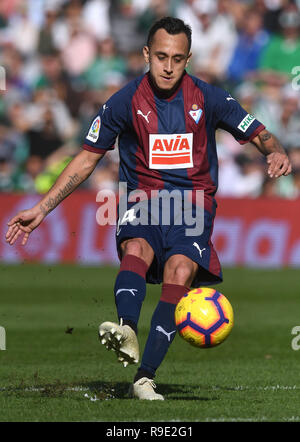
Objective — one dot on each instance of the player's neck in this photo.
(161, 93)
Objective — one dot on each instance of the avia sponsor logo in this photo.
(170, 151)
(246, 122)
(93, 134)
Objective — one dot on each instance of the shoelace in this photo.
(149, 381)
(125, 334)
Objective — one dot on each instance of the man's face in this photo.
(167, 56)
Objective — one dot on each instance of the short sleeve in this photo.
(232, 117)
(109, 122)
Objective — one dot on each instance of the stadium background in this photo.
(63, 59)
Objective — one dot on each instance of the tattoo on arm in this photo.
(52, 202)
(269, 143)
(43, 210)
(265, 137)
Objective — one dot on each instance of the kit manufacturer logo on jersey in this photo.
(93, 134)
(246, 122)
(170, 151)
(195, 113)
(139, 112)
(230, 98)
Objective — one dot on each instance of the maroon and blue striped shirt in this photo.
(169, 143)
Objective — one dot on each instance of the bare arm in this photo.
(268, 145)
(77, 171)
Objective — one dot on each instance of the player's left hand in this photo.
(279, 164)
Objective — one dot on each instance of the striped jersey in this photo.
(169, 143)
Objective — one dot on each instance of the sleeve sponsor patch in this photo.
(246, 122)
(94, 130)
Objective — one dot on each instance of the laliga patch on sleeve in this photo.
(93, 134)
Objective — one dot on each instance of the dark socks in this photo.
(130, 289)
(162, 330)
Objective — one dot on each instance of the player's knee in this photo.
(180, 271)
(133, 247)
(137, 247)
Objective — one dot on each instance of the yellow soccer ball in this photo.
(204, 317)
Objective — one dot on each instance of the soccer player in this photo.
(165, 121)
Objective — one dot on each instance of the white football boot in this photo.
(121, 339)
(144, 389)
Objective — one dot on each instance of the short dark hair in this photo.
(173, 26)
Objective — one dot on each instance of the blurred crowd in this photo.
(62, 59)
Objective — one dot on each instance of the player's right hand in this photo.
(23, 223)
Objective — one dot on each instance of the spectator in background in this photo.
(63, 58)
(155, 11)
(270, 11)
(54, 77)
(69, 17)
(3, 18)
(46, 40)
(44, 138)
(106, 175)
(241, 175)
(291, 188)
(211, 51)
(106, 63)
(135, 65)
(229, 171)
(26, 176)
(124, 30)
(46, 108)
(95, 15)
(252, 174)
(80, 42)
(248, 49)
(21, 32)
(13, 63)
(7, 156)
(280, 106)
(269, 188)
(46, 125)
(283, 51)
(268, 102)
(288, 125)
(247, 94)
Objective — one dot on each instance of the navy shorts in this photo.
(172, 239)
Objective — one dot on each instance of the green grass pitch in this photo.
(54, 368)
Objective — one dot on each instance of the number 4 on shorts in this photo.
(128, 216)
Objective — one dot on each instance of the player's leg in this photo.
(190, 261)
(179, 272)
(130, 285)
(130, 291)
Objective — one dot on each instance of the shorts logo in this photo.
(93, 134)
(170, 151)
(246, 122)
(198, 248)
